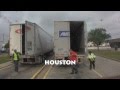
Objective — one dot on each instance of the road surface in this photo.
(105, 69)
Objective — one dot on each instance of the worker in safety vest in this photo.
(91, 58)
(73, 57)
(16, 58)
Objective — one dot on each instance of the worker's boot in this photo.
(76, 71)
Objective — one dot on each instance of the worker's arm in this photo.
(94, 56)
(12, 57)
(88, 58)
(75, 55)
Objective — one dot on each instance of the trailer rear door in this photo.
(61, 39)
(15, 38)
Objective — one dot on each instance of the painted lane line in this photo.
(46, 74)
(35, 75)
(98, 73)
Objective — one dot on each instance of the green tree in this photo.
(7, 45)
(98, 36)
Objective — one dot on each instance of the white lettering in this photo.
(60, 62)
(73, 62)
(68, 62)
(47, 62)
(56, 62)
(64, 61)
(51, 62)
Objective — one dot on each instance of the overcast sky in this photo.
(110, 20)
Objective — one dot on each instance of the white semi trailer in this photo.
(70, 35)
(31, 41)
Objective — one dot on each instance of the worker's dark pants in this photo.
(92, 63)
(16, 65)
(74, 68)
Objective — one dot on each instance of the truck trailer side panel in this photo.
(31, 41)
(38, 46)
(37, 43)
(45, 41)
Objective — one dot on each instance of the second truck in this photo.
(31, 41)
(70, 35)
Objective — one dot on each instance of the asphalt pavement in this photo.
(105, 69)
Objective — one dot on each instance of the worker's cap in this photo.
(90, 52)
(15, 49)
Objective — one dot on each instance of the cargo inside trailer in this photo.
(77, 37)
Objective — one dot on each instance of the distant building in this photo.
(90, 44)
(114, 42)
(105, 44)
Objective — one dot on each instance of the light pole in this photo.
(3, 38)
(101, 20)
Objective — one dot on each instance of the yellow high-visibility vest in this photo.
(91, 57)
(15, 56)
